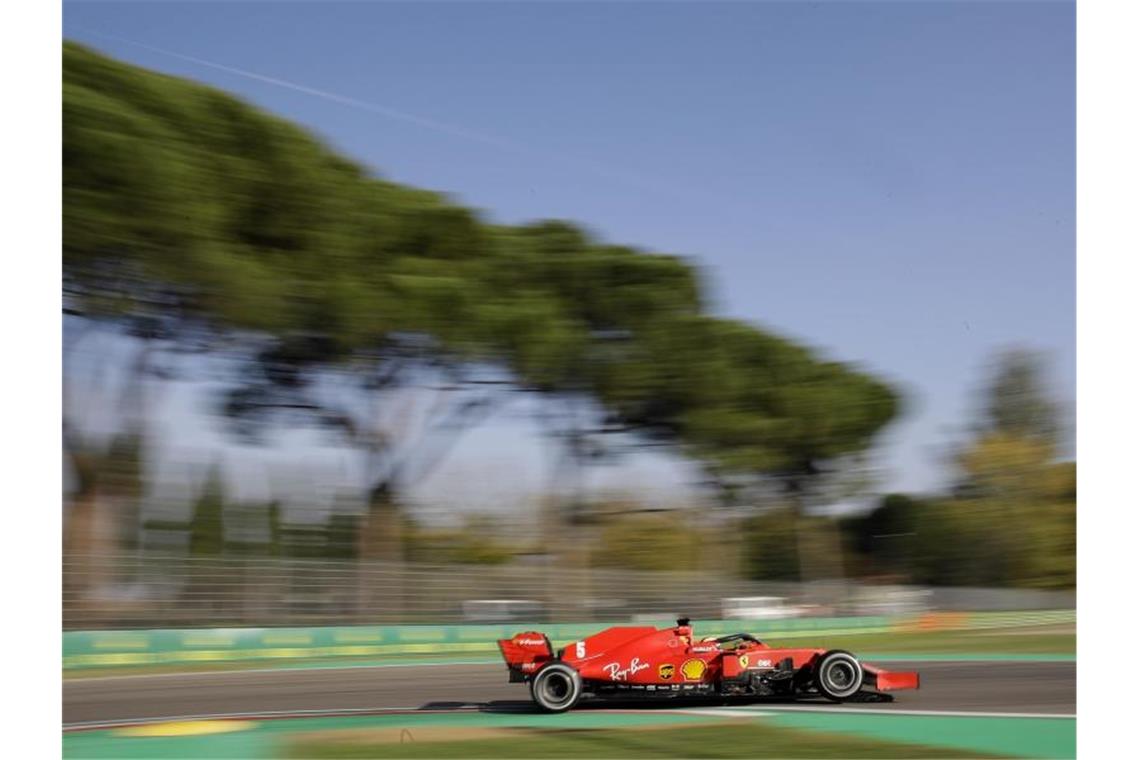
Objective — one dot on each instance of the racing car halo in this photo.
(645, 662)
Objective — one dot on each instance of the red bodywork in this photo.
(642, 655)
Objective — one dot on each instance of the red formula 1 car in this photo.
(644, 662)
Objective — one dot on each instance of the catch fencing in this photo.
(152, 591)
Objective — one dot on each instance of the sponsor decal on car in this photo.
(531, 642)
(744, 661)
(618, 673)
(704, 649)
(693, 669)
(665, 672)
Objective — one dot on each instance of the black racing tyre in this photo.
(838, 675)
(556, 688)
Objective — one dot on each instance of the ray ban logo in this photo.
(618, 673)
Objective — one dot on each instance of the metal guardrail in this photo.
(154, 591)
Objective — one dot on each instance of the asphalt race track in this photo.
(971, 687)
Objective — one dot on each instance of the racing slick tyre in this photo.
(556, 688)
(838, 675)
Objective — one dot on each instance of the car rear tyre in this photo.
(838, 675)
(556, 688)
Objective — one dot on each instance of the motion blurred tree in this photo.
(207, 526)
(772, 550)
(777, 424)
(1011, 519)
(103, 515)
(652, 541)
(475, 542)
(333, 293)
(342, 536)
(885, 537)
(1017, 403)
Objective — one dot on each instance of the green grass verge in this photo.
(727, 741)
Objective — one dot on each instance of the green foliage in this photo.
(1026, 539)
(343, 531)
(475, 543)
(885, 537)
(772, 546)
(275, 547)
(1012, 524)
(257, 225)
(748, 401)
(207, 526)
(1011, 517)
(786, 545)
(652, 542)
(1016, 402)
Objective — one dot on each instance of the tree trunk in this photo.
(381, 536)
(108, 484)
(380, 549)
(89, 544)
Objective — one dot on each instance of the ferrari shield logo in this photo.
(692, 670)
(665, 672)
(744, 662)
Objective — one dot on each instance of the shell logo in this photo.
(692, 670)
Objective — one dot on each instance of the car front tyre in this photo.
(556, 688)
(838, 675)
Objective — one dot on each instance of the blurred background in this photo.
(301, 391)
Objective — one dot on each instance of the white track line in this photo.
(716, 712)
(888, 711)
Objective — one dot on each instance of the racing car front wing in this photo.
(885, 680)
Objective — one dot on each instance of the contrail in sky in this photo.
(600, 169)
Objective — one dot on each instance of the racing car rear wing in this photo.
(525, 653)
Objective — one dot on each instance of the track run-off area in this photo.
(986, 704)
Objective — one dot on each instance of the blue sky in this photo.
(892, 183)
